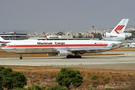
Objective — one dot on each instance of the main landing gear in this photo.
(74, 56)
(20, 56)
(71, 56)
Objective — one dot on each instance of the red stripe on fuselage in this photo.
(58, 45)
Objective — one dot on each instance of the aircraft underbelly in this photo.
(97, 51)
(35, 50)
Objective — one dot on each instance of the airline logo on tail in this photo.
(119, 28)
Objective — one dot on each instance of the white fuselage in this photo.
(53, 46)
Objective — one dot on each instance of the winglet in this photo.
(120, 27)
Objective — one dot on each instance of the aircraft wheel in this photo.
(70, 56)
(80, 56)
(20, 56)
(77, 56)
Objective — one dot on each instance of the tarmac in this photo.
(125, 62)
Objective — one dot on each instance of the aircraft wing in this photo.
(63, 51)
(86, 49)
(81, 50)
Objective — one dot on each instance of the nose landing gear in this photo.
(20, 56)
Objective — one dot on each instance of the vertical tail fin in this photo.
(120, 27)
(1, 39)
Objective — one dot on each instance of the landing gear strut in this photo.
(20, 56)
(77, 55)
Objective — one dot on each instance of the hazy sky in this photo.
(64, 15)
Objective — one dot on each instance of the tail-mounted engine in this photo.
(115, 37)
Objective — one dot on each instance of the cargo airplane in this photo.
(68, 48)
(60, 47)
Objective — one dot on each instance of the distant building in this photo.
(14, 36)
(60, 37)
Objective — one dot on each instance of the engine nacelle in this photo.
(51, 54)
(114, 37)
(64, 53)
